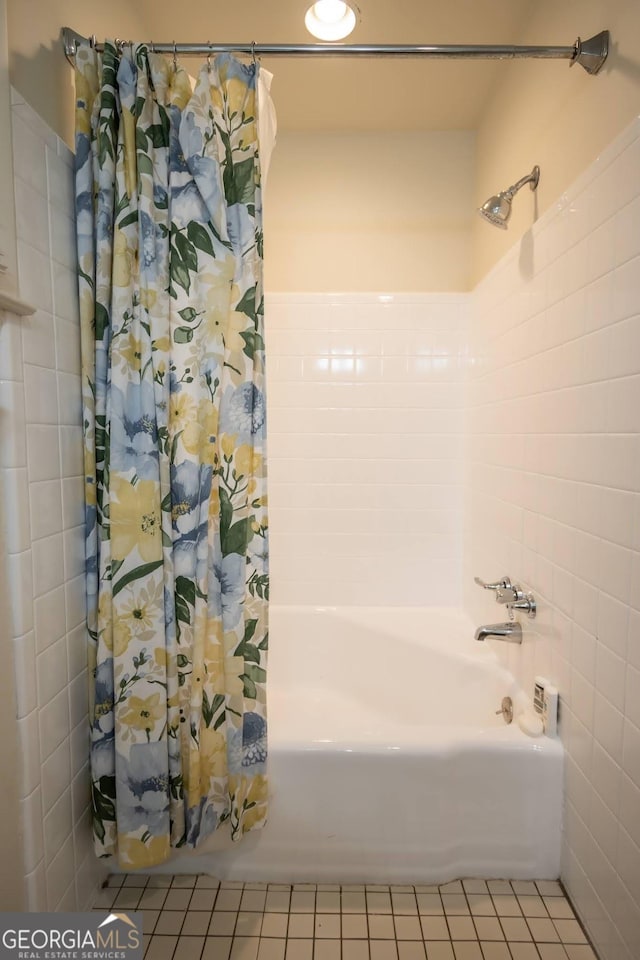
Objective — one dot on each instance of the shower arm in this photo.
(531, 178)
(590, 54)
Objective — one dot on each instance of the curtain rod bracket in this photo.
(591, 54)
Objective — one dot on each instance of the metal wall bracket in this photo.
(592, 53)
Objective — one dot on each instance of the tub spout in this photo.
(511, 632)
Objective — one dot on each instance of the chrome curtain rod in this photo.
(590, 54)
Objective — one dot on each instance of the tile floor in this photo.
(198, 918)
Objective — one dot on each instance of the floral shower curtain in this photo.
(170, 276)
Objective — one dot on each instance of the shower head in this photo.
(497, 210)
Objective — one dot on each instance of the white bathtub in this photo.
(387, 760)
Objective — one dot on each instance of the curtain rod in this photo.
(590, 54)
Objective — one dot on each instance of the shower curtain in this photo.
(169, 230)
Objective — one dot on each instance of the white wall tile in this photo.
(56, 775)
(48, 573)
(38, 339)
(32, 216)
(58, 825)
(40, 394)
(45, 502)
(49, 618)
(54, 723)
(13, 451)
(29, 744)
(24, 658)
(34, 273)
(13, 485)
(10, 346)
(31, 815)
(43, 450)
(51, 669)
(20, 583)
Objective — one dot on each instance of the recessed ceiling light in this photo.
(330, 19)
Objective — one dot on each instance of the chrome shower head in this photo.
(497, 209)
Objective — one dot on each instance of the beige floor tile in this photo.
(326, 950)
(410, 950)
(359, 950)
(461, 928)
(532, 906)
(524, 888)
(159, 880)
(299, 950)
(383, 950)
(228, 900)
(378, 902)
(222, 924)
(488, 928)
(570, 931)
(467, 950)
(277, 901)
(580, 952)
(149, 919)
(500, 887)
(184, 881)
(559, 908)
(189, 948)
(117, 879)
(454, 887)
(327, 926)
(439, 951)
(353, 888)
(552, 951)
(232, 885)
(515, 928)
(404, 903)
(205, 882)
(455, 903)
(301, 926)
(203, 899)
(161, 948)
(196, 923)
(434, 928)
(427, 888)
(279, 887)
(248, 924)
(104, 898)
(255, 886)
(475, 886)
(407, 928)
(302, 902)
(136, 880)
(177, 899)
(507, 906)
(146, 940)
(353, 901)
(244, 948)
(327, 902)
(328, 888)
(128, 898)
(305, 887)
(274, 925)
(253, 901)
(402, 888)
(217, 948)
(376, 888)
(272, 949)
(524, 951)
(354, 926)
(494, 951)
(153, 898)
(481, 905)
(170, 921)
(381, 927)
(430, 903)
(549, 888)
(543, 931)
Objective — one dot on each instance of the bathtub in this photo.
(388, 763)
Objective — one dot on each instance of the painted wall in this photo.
(41, 474)
(368, 211)
(554, 501)
(543, 112)
(365, 447)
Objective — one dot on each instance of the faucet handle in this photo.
(504, 584)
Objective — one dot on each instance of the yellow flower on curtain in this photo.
(138, 524)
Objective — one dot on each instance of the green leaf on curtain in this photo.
(158, 135)
(108, 786)
(179, 274)
(248, 303)
(200, 238)
(249, 630)
(249, 687)
(236, 538)
(102, 321)
(188, 314)
(136, 574)
(210, 708)
(186, 588)
(226, 512)
(182, 661)
(255, 673)
(183, 335)
(145, 164)
(252, 342)
(241, 187)
(130, 218)
(264, 644)
(141, 139)
(186, 250)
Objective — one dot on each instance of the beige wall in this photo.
(560, 118)
(38, 68)
(366, 211)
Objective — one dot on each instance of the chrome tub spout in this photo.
(510, 632)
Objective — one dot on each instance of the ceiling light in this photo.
(330, 19)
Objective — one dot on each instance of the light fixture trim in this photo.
(330, 19)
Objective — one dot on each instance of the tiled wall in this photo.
(41, 475)
(365, 447)
(553, 500)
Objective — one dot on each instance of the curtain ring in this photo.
(175, 56)
(152, 46)
(253, 52)
(209, 58)
(92, 41)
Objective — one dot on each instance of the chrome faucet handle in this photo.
(525, 602)
(504, 584)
